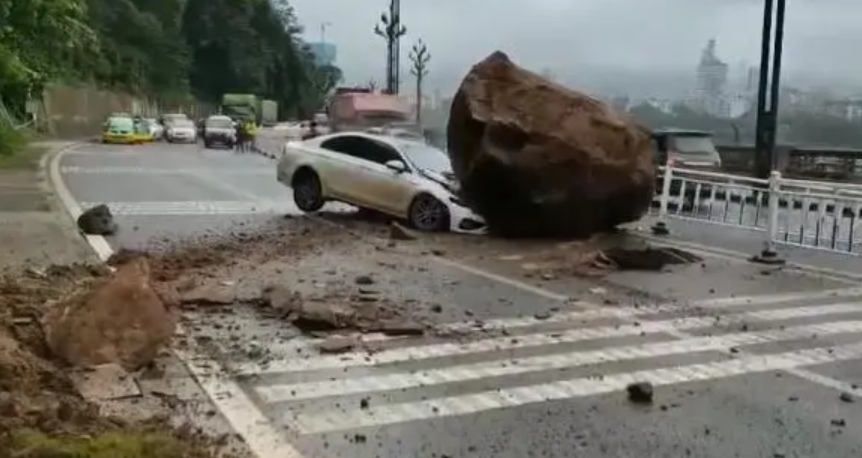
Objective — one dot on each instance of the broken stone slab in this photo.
(535, 158)
(338, 344)
(105, 382)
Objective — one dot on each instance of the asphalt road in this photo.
(745, 361)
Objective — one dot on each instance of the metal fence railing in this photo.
(808, 214)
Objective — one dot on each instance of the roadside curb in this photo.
(58, 196)
(50, 164)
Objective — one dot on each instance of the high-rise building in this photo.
(711, 83)
(324, 53)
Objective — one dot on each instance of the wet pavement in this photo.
(745, 361)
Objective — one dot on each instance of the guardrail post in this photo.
(660, 226)
(768, 255)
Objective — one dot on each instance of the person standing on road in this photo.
(242, 136)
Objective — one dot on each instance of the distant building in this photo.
(850, 109)
(663, 105)
(711, 84)
(324, 53)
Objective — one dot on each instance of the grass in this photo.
(26, 158)
(114, 444)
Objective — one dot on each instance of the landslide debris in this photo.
(118, 319)
(41, 413)
(537, 159)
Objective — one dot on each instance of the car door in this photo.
(343, 169)
(385, 189)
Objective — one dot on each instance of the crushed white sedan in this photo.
(405, 178)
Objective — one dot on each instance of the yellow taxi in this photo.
(119, 130)
(143, 131)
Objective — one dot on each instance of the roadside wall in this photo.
(79, 111)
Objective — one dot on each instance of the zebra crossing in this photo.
(507, 363)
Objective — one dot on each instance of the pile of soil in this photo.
(41, 413)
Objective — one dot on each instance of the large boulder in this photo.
(120, 319)
(537, 159)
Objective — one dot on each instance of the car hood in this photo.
(445, 179)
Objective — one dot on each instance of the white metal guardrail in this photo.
(809, 214)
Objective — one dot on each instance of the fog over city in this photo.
(642, 48)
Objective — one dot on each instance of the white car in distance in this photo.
(181, 130)
(405, 178)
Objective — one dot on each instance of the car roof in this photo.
(673, 131)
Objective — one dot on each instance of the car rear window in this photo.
(694, 144)
(219, 123)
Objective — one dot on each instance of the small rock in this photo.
(399, 232)
(847, 397)
(542, 315)
(401, 328)
(282, 299)
(97, 220)
(640, 392)
(438, 252)
(838, 422)
(598, 290)
(363, 403)
(364, 280)
(338, 344)
(437, 308)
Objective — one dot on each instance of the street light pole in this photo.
(391, 29)
(767, 113)
(420, 57)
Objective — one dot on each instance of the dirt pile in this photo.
(537, 159)
(117, 319)
(41, 413)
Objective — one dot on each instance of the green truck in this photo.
(250, 106)
(241, 106)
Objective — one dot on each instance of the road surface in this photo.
(745, 361)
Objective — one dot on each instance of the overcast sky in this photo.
(574, 37)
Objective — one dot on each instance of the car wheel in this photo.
(307, 191)
(428, 214)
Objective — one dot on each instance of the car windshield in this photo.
(219, 123)
(426, 157)
(121, 123)
(696, 144)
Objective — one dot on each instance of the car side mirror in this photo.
(396, 166)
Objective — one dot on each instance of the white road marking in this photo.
(141, 170)
(387, 414)
(478, 371)
(502, 344)
(259, 433)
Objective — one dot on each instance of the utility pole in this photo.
(769, 89)
(420, 57)
(323, 27)
(391, 29)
